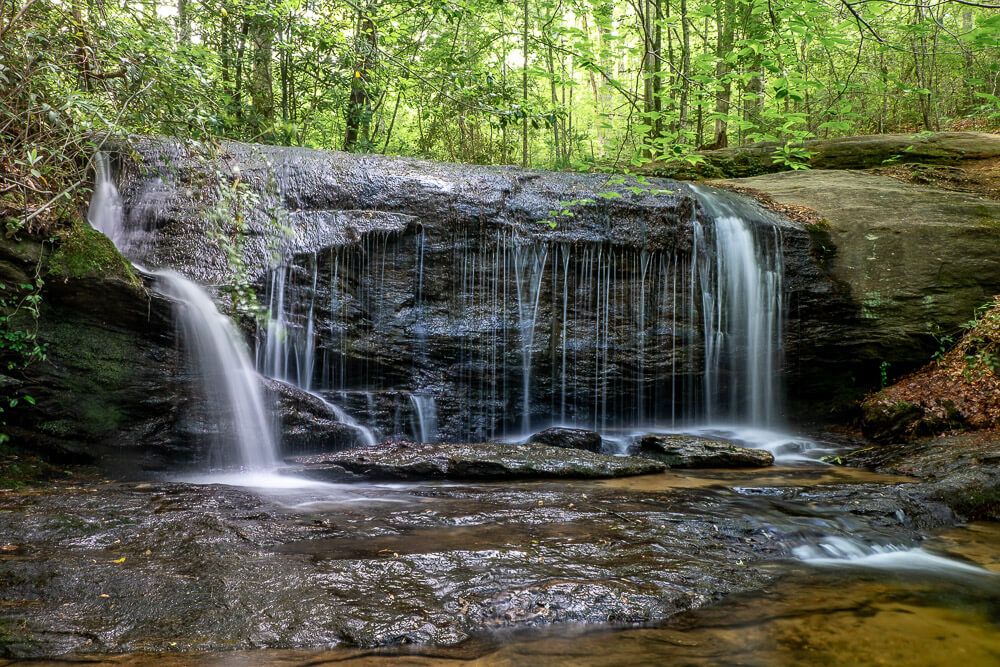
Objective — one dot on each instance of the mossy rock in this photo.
(83, 252)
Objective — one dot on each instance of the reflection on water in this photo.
(844, 616)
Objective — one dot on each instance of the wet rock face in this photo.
(308, 425)
(405, 278)
(569, 438)
(685, 451)
(481, 461)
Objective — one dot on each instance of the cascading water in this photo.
(741, 306)
(231, 389)
(105, 211)
(507, 332)
(288, 351)
(230, 384)
(425, 409)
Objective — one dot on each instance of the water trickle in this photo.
(425, 410)
(287, 351)
(105, 211)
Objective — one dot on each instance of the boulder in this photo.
(309, 424)
(688, 451)
(400, 459)
(569, 438)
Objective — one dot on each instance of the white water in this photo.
(231, 385)
(425, 409)
(231, 389)
(105, 211)
(836, 551)
(742, 313)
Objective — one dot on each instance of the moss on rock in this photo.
(83, 252)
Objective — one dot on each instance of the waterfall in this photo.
(105, 211)
(516, 331)
(230, 382)
(529, 269)
(742, 312)
(231, 388)
(425, 410)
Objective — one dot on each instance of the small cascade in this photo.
(288, 349)
(366, 435)
(529, 269)
(837, 551)
(231, 390)
(231, 386)
(742, 312)
(425, 410)
(105, 211)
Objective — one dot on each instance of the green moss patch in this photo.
(83, 252)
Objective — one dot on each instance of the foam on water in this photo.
(834, 551)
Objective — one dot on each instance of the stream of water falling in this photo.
(230, 383)
(231, 389)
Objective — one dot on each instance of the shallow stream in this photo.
(795, 565)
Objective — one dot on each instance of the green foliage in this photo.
(19, 344)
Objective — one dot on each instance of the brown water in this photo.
(810, 616)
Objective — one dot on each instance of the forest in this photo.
(568, 84)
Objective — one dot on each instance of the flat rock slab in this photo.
(686, 451)
(482, 461)
(568, 438)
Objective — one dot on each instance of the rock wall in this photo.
(439, 279)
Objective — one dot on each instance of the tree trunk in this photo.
(725, 20)
(261, 82)
(359, 112)
(524, 89)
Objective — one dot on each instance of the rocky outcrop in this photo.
(481, 461)
(446, 281)
(961, 470)
(918, 261)
(861, 152)
(568, 438)
(687, 451)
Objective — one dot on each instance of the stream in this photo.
(820, 565)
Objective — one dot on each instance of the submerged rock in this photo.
(569, 438)
(401, 459)
(688, 451)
